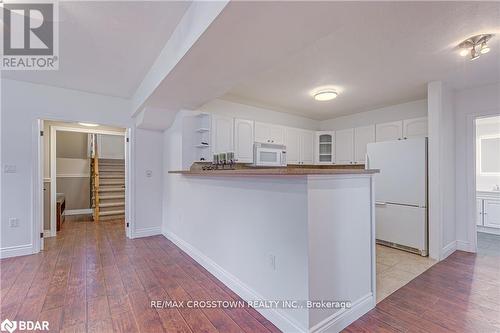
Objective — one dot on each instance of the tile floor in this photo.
(488, 244)
(395, 268)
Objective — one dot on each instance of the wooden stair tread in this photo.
(112, 212)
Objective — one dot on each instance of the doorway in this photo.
(84, 174)
(487, 189)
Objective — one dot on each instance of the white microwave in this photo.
(271, 155)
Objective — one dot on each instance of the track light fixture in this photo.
(475, 46)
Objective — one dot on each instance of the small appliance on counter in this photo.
(269, 155)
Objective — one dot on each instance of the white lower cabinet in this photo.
(491, 213)
(243, 140)
(488, 211)
(299, 146)
(479, 211)
(344, 146)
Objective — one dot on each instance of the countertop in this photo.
(275, 172)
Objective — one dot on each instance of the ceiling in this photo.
(107, 47)
(375, 55)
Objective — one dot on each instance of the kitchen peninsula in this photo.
(290, 234)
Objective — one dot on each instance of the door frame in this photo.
(38, 149)
(471, 206)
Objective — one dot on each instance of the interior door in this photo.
(344, 146)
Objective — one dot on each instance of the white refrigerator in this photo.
(401, 193)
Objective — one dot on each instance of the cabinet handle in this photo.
(405, 138)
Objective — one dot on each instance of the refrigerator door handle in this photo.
(379, 203)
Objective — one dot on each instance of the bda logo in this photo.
(8, 325)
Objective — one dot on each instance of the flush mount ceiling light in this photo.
(88, 124)
(475, 46)
(325, 95)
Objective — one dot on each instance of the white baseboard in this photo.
(146, 232)
(343, 318)
(448, 249)
(87, 211)
(278, 317)
(47, 233)
(464, 246)
(15, 251)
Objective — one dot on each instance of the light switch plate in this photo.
(13, 222)
(9, 168)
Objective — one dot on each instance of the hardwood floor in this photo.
(459, 294)
(91, 278)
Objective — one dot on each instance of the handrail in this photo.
(95, 175)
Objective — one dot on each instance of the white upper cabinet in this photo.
(269, 133)
(299, 146)
(292, 146)
(344, 146)
(362, 136)
(324, 147)
(222, 134)
(307, 147)
(243, 140)
(389, 131)
(416, 127)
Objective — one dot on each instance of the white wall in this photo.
(111, 146)
(415, 109)
(244, 111)
(22, 104)
(201, 211)
(469, 103)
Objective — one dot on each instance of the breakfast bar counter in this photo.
(298, 234)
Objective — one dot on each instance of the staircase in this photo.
(109, 189)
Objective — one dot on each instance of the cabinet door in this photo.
(362, 136)
(389, 131)
(344, 146)
(277, 134)
(243, 140)
(491, 213)
(262, 132)
(416, 127)
(222, 134)
(307, 147)
(293, 145)
(479, 211)
(324, 147)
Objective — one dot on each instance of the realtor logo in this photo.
(30, 36)
(8, 326)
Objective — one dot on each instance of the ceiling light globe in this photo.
(464, 52)
(485, 48)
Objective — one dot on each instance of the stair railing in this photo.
(95, 182)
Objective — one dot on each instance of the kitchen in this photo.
(238, 189)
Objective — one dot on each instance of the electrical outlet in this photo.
(13, 222)
(271, 258)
